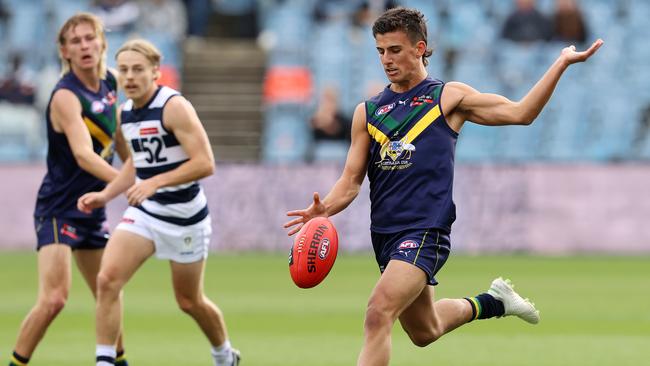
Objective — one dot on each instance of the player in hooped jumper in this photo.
(168, 214)
(405, 139)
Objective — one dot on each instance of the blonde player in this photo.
(168, 214)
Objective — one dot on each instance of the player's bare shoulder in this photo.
(65, 105)
(451, 99)
(359, 116)
(178, 110)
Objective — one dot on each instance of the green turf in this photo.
(594, 312)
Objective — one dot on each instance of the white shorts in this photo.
(182, 244)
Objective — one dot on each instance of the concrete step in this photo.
(249, 154)
(223, 79)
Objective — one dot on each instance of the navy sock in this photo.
(18, 360)
(485, 306)
(107, 359)
(120, 359)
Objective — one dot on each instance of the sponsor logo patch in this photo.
(384, 109)
(422, 99)
(127, 220)
(148, 131)
(69, 231)
(109, 99)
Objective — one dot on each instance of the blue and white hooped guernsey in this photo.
(155, 150)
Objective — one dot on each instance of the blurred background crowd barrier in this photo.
(275, 83)
(543, 209)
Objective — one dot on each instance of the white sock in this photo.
(222, 355)
(105, 355)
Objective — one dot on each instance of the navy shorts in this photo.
(427, 249)
(76, 233)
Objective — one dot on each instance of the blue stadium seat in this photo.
(21, 138)
(428, 9)
(26, 28)
(566, 119)
(287, 135)
(517, 63)
(115, 41)
(289, 21)
(477, 143)
(62, 10)
(331, 61)
(585, 119)
(330, 151)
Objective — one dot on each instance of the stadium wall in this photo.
(536, 208)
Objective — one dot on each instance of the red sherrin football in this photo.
(313, 253)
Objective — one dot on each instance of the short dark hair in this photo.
(410, 21)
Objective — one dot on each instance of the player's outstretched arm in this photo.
(181, 119)
(466, 103)
(346, 188)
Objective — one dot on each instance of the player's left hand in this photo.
(141, 191)
(91, 201)
(572, 56)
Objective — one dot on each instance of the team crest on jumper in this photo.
(396, 154)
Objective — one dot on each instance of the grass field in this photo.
(595, 311)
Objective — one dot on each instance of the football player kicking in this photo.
(404, 138)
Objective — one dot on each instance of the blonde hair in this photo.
(143, 47)
(71, 23)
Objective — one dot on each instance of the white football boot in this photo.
(513, 304)
(236, 357)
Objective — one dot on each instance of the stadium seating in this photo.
(590, 118)
(286, 134)
(593, 116)
(22, 133)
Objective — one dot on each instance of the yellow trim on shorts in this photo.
(56, 231)
(435, 265)
(421, 244)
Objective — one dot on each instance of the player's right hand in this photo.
(91, 201)
(572, 56)
(317, 208)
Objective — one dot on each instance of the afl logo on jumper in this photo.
(384, 109)
(97, 106)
